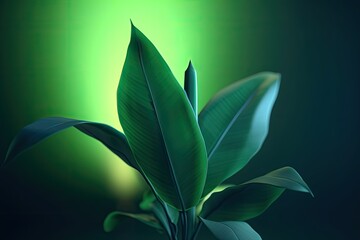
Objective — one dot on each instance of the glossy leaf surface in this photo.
(235, 123)
(160, 125)
(252, 198)
(231, 230)
(43, 128)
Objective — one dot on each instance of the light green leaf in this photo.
(114, 219)
(252, 198)
(231, 230)
(43, 128)
(235, 123)
(160, 125)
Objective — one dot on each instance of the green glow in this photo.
(79, 48)
(97, 39)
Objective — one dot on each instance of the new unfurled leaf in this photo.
(235, 123)
(190, 87)
(250, 199)
(160, 125)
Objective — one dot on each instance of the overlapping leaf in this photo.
(231, 230)
(235, 123)
(160, 125)
(43, 128)
(252, 198)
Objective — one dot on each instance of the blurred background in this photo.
(64, 58)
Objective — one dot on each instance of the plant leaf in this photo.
(252, 198)
(190, 86)
(231, 230)
(235, 123)
(215, 190)
(43, 128)
(160, 125)
(114, 218)
(151, 204)
(285, 177)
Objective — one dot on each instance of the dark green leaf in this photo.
(151, 204)
(285, 177)
(160, 125)
(114, 219)
(252, 198)
(235, 123)
(173, 213)
(231, 230)
(43, 128)
(190, 86)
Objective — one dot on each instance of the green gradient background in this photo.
(64, 58)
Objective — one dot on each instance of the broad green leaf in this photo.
(231, 230)
(235, 123)
(43, 128)
(160, 125)
(252, 198)
(114, 219)
(190, 86)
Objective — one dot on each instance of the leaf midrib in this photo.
(172, 172)
(226, 130)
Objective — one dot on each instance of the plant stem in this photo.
(197, 230)
(187, 223)
(184, 228)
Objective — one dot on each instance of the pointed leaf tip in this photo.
(190, 65)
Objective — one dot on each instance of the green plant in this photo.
(185, 157)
